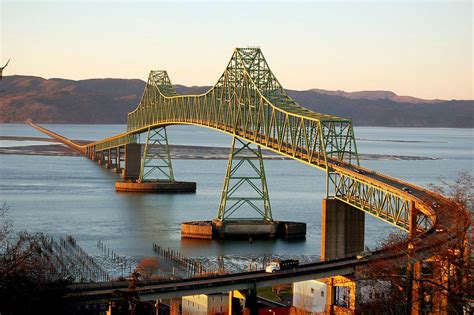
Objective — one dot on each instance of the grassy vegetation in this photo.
(270, 293)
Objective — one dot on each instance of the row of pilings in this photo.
(191, 266)
(119, 261)
(70, 260)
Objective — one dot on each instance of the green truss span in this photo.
(248, 102)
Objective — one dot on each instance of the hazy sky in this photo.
(422, 49)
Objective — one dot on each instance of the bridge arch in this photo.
(248, 102)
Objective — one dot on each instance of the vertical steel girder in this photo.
(156, 160)
(245, 184)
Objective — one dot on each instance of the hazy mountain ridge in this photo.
(109, 101)
(376, 95)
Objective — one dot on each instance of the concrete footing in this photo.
(159, 186)
(243, 229)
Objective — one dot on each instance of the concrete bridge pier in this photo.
(119, 160)
(342, 229)
(106, 155)
(150, 171)
(244, 211)
(250, 299)
(111, 158)
(101, 159)
(132, 161)
(92, 154)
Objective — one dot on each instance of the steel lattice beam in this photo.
(377, 201)
(250, 103)
(156, 160)
(245, 184)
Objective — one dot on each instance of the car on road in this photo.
(435, 204)
(359, 171)
(279, 264)
(405, 188)
(364, 254)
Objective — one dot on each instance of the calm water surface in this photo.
(73, 196)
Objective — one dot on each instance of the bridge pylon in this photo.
(156, 169)
(156, 160)
(245, 185)
(245, 210)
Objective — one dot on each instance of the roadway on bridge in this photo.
(220, 283)
(248, 72)
(447, 217)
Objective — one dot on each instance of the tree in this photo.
(147, 267)
(29, 282)
(442, 283)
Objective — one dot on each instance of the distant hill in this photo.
(105, 101)
(376, 95)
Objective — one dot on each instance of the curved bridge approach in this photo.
(249, 103)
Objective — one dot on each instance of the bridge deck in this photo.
(249, 102)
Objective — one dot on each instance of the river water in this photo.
(66, 195)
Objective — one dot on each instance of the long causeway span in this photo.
(249, 103)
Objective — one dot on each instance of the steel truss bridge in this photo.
(249, 103)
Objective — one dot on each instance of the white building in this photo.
(203, 304)
(310, 296)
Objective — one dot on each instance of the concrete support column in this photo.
(101, 158)
(94, 155)
(342, 230)
(113, 158)
(231, 298)
(416, 290)
(108, 156)
(132, 161)
(174, 306)
(122, 157)
(251, 301)
(330, 293)
(413, 268)
(117, 157)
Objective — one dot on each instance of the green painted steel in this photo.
(245, 184)
(380, 202)
(249, 103)
(156, 160)
(113, 142)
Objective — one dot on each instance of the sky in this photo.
(417, 48)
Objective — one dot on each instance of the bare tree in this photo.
(443, 283)
(28, 279)
(147, 267)
(1, 69)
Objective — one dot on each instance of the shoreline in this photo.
(180, 152)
